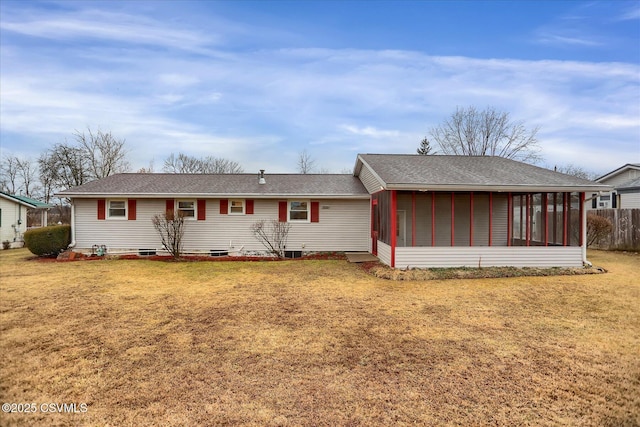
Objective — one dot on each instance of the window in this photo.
(299, 210)
(605, 197)
(187, 208)
(236, 207)
(117, 209)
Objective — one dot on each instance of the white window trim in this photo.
(117, 218)
(195, 209)
(307, 201)
(244, 207)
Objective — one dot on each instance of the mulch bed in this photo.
(76, 256)
(384, 272)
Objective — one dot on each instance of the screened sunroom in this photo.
(473, 216)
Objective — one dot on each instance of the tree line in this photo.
(92, 155)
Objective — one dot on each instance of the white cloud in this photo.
(370, 131)
(261, 107)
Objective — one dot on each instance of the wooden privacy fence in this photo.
(626, 229)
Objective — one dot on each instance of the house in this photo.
(626, 189)
(326, 212)
(409, 210)
(13, 216)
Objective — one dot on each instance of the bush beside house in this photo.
(48, 241)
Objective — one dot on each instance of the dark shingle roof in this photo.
(141, 184)
(437, 172)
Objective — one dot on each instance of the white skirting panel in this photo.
(384, 253)
(485, 256)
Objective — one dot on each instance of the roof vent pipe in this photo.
(262, 180)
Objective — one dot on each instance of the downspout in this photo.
(73, 226)
(584, 228)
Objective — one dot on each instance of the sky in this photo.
(258, 82)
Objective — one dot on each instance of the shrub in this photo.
(598, 228)
(170, 227)
(48, 241)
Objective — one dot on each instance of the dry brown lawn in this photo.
(319, 343)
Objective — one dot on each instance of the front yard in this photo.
(315, 343)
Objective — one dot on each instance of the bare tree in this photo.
(306, 163)
(47, 177)
(576, 171)
(28, 171)
(170, 227)
(183, 163)
(425, 148)
(272, 234)
(105, 155)
(65, 166)
(470, 132)
(9, 174)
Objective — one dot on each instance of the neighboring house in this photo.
(13, 216)
(409, 210)
(626, 189)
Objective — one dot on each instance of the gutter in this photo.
(73, 226)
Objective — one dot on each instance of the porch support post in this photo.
(453, 240)
(565, 214)
(394, 225)
(433, 218)
(491, 219)
(555, 218)
(413, 218)
(471, 219)
(583, 223)
(528, 219)
(583, 230)
(509, 218)
(545, 217)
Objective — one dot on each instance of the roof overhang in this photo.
(619, 170)
(22, 202)
(499, 188)
(73, 195)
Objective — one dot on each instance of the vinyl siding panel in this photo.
(630, 200)
(384, 253)
(10, 213)
(520, 256)
(370, 182)
(343, 226)
(622, 177)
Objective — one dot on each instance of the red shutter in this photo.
(315, 211)
(202, 209)
(131, 209)
(282, 211)
(224, 206)
(102, 208)
(170, 206)
(249, 207)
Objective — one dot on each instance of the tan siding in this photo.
(489, 256)
(462, 227)
(622, 177)
(500, 220)
(344, 226)
(370, 182)
(443, 219)
(630, 200)
(481, 219)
